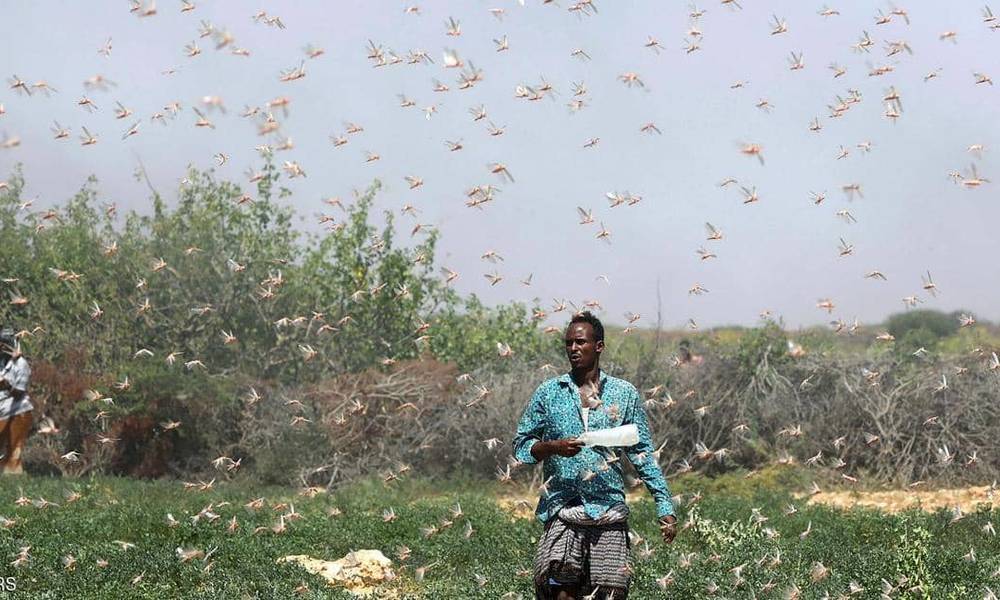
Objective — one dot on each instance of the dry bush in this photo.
(416, 416)
(135, 442)
(349, 426)
(419, 415)
(832, 397)
(56, 389)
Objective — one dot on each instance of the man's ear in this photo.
(599, 346)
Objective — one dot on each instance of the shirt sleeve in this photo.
(642, 457)
(531, 428)
(18, 374)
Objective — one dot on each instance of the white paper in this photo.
(623, 436)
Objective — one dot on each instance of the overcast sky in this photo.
(780, 253)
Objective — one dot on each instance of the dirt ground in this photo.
(517, 508)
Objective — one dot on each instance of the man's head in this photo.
(685, 350)
(584, 340)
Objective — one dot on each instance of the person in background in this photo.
(686, 357)
(15, 406)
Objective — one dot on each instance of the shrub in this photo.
(222, 286)
(766, 345)
(915, 339)
(934, 322)
(467, 335)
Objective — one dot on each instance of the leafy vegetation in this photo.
(343, 350)
(324, 359)
(223, 260)
(737, 524)
(936, 323)
(135, 320)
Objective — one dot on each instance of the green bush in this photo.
(915, 339)
(468, 334)
(766, 344)
(121, 294)
(934, 322)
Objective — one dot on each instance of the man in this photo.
(585, 547)
(15, 406)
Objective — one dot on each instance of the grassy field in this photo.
(865, 547)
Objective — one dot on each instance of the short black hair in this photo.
(585, 316)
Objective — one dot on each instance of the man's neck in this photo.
(590, 375)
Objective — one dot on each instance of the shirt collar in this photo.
(567, 379)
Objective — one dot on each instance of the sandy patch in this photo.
(518, 507)
(360, 572)
(898, 500)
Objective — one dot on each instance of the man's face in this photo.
(581, 348)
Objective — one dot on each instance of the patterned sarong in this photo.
(586, 553)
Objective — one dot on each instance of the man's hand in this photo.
(668, 528)
(564, 447)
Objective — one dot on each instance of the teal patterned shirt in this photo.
(594, 476)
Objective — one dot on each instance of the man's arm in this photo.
(530, 429)
(529, 445)
(16, 379)
(642, 458)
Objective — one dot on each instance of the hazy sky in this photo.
(780, 253)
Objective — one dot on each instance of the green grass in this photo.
(863, 546)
